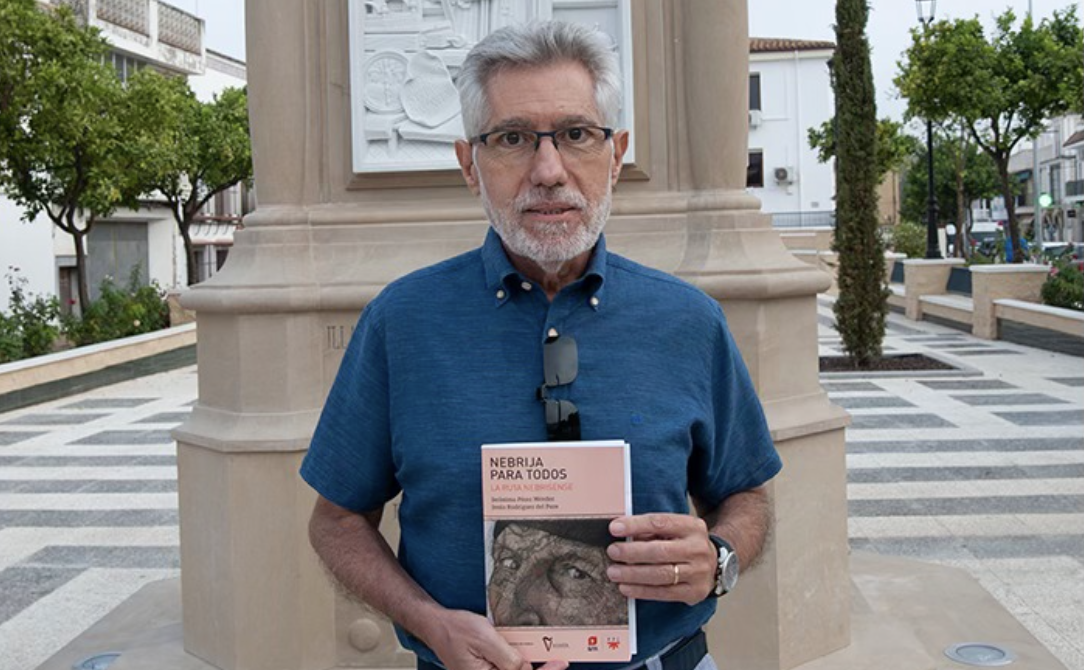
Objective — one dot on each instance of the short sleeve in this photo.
(349, 461)
(733, 451)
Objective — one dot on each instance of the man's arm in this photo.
(352, 548)
(645, 567)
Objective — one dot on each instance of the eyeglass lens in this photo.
(560, 363)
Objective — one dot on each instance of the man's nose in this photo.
(547, 165)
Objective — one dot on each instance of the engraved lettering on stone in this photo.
(338, 337)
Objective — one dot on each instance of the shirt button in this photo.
(552, 332)
(500, 294)
(594, 301)
(526, 286)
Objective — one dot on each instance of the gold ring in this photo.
(677, 574)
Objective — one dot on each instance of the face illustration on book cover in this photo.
(552, 572)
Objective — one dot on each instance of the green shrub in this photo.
(119, 312)
(1064, 287)
(31, 327)
(909, 238)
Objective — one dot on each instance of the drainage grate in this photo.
(97, 661)
(980, 654)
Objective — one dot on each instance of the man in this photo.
(540, 333)
(552, 572)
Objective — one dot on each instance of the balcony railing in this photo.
(804, 219)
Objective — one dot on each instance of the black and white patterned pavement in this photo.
(983, 470)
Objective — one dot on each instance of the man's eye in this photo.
(570, 571)
(510, 139)
(575, 134)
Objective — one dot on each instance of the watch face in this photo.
(730, 572)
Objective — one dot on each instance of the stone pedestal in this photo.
(324, 241)
(994, 282)
(925, 277)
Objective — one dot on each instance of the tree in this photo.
(64, 151)
(1002, 89)
(188, 151)
(961, 172)
(893, 146)
(862, 306)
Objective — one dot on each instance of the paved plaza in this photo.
(981, 469)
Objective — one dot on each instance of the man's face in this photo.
(541, 579)
(552, 206)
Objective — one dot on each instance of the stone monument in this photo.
(352, 118)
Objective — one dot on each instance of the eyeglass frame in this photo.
(608, 134)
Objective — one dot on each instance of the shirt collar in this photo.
(499, 270)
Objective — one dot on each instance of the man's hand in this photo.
(669, 558)
(466, 641)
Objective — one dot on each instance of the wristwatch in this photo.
(726, 570)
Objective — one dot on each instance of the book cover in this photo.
(547, 508)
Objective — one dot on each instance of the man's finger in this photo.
(554, 665)
(658, 525)
(655, 551)
(651, 575)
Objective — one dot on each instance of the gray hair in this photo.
(536, 44)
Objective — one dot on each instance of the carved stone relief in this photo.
(404, 58)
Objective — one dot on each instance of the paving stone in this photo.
(955, 446)
(967, 384)
(53, 419)
(8, 437)
(88, 486)
(935, 338)
(85, 518)
(84, 461)
(867, 402)
(1028, 546)
(847, 387)
(1067, 381)
(22, 586)
(1043, 504)
(883, 421)
(988, 399)
(894, 327)
(167, 417)
(954, 345)
(108, 403)
(988, 352)
(127, 437)
(975, 473)
(1059, 418)
(107, 557)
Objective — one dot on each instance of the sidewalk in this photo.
(983, 470)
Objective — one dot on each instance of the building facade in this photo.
(141, 33)
(789, 93)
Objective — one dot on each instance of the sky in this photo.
(888, 29)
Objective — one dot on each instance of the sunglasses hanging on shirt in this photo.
(560, 363)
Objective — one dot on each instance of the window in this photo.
(126, 66)
(754, 90)
(754, 172)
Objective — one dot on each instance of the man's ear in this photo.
(621, 145)
(464, 153)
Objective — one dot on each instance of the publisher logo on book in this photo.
(592, 643)
(549, 643)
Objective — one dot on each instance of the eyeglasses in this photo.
(516, 146)
(560, 362)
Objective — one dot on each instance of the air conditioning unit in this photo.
(785, 175)
(754, 118)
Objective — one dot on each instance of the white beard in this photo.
(549, 245)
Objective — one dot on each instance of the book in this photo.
(546, 508)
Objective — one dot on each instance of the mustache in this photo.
(540, 197)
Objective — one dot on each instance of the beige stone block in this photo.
(994, 282)
(794, 605)
(925, 277)
(255, 596)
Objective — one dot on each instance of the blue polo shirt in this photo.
(448, 358)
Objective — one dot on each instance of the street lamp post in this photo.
(926, 9)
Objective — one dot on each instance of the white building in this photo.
(142, 33)
(790, 92)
